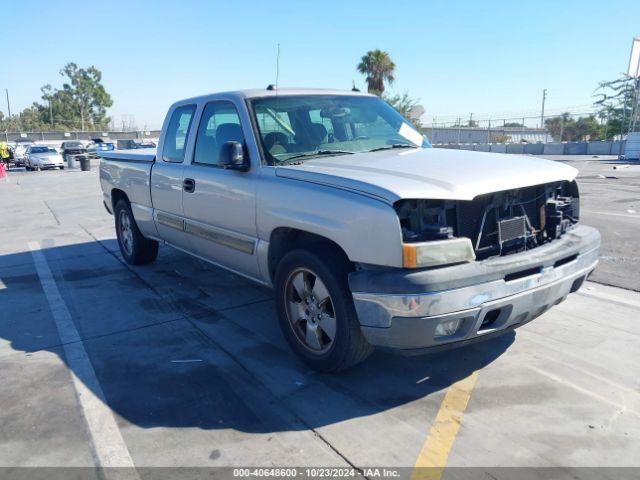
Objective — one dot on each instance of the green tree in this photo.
(407, 106)
(557, 125)
(81, 103)
(587, 128)
(82, 98)
(613, 99)
(379, 69)
(565, 128)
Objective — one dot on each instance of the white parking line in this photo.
(630, 302)
(611, 214)
(109, 446)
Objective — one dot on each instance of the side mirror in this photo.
(232, 157)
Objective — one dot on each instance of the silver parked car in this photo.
(39, 157)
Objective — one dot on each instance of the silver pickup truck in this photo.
(368, 235)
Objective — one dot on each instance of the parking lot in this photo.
(181, 364)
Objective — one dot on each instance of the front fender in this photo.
(366, 229)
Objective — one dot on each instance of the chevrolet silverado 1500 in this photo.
(368, 235)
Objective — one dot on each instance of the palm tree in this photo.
(379, 68)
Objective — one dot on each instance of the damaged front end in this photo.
(498, 223)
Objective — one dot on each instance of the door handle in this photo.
(189, 185)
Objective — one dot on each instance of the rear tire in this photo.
(135, 248)
(306, 306)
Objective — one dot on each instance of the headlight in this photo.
(437, 252)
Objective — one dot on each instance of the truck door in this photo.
(167, 179)
(220, 210)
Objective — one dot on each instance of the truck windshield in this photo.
(293, 128)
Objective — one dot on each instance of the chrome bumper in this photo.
(408, 321)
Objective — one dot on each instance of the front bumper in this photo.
(400, 309)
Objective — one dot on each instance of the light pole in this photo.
(544, 97)
(8, 104)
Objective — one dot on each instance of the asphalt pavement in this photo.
(610, 201)
(181, 364)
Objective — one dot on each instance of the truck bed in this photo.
(129, 172)
(132, 155)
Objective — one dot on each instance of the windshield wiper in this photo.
(315, 153)
(395, 145)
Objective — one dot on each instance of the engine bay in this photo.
(498, 223)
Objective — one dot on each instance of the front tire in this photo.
(135, 248)
(316, 311)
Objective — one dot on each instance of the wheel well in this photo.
(116, 196)
(283, 240)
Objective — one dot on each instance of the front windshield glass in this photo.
(298, 127)
(42, 150)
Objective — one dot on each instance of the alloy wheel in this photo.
(126, 234)
(310, 310)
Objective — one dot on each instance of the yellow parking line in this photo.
(435, 451)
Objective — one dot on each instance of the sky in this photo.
(489, 58)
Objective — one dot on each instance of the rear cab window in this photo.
(177, 132)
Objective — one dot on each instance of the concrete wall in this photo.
(617, 147)
(575, 148)
(599, 148)
(62, 136)
(571, 148)
(440, 135)
(567, 148)
(457, 135)
(515, 148)
(534, 148)
(553, 149)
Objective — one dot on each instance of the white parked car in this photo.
(19, 152)
(39, 157)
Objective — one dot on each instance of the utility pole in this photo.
(471, 119)
(544, 97)
(8, 104)
(433, 124)
(50, 113)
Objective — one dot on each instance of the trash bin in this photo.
(85, 164)
(71, 161)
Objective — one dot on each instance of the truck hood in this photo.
(433, 173)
